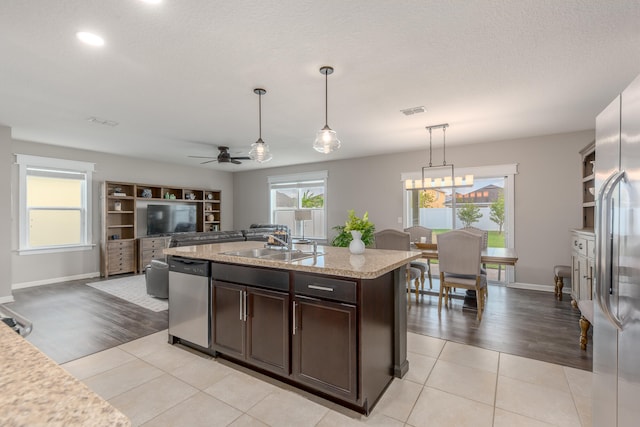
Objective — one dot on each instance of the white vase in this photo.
(357, 245)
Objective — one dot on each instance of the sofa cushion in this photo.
(203, 238)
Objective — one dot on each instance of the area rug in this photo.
(132, 289)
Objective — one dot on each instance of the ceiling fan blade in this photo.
(235, 162)
(242, 158)
(208, 161)
(202, 157)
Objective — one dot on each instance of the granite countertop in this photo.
(335, 261)
(38, 392)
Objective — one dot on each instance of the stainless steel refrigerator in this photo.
(616, 326)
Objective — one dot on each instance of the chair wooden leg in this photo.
(440, 294)
(408, 281)
(479, 298)
(430, 281)
(417, 285)
(559, 286)
(584, 328)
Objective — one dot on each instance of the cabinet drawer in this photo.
(579, 245)
(153, 254)
(120, 266)
(120, 245)
(590, 249)
(252, 276)
(153, 244)
(120, 257)
(326, 288)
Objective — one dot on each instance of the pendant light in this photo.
(326, 138)
(259, 149)
(445, 178)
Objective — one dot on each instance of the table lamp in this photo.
(303, 215)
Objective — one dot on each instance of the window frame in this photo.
(509, 171)
(301, 178)
(26, 162)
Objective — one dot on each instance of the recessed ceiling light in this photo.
(152, 1)
(90, 38)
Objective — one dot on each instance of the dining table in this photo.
(491, 255)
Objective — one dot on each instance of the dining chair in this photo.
(459, 258)
(417, 233)
(485, 244)
(398, 240)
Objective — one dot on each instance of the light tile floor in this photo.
(448, 384)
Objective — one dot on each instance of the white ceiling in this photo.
(179, 76)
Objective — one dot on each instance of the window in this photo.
(54, 204)
(488, 205)
(308, 192)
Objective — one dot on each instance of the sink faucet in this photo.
(287, 242)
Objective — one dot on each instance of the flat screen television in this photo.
(173, 218)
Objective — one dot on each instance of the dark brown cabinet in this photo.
(325, 346)
(251, 323)
(331, 335)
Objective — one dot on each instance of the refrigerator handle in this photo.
(605, 246)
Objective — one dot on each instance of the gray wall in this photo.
(5, 214)
(547, 192)
(49, 268)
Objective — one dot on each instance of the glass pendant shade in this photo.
(326, 140)
(260, 151)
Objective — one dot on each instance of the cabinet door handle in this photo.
(580, 246)
(294, 318)
(320, 288)
(241, 304)
(245, 305)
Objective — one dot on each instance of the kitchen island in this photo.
(333, 324)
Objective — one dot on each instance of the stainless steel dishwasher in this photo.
(189, 300)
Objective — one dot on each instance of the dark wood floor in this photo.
(72, 320)
(515, 321)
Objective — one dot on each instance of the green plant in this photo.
(363, 225)
(310, 200)
(468, 214)
(497, 212)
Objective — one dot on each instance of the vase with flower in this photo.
(356, 233)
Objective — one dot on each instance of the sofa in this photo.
(157, 272)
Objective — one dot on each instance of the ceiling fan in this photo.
(223, 157)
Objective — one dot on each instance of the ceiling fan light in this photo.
(326, 141)
(260, 151)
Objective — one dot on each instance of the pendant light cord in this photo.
(430, 164)
(260, 116)
(444, 146)
(326, 98)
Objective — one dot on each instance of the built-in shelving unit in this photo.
(582, 240)
(120, 202)
(588, 185)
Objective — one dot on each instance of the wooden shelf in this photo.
(121, 222)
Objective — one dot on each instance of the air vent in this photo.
(102, 121)
(414, 110)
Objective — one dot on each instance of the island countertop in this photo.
(335, 261)
(38, 392)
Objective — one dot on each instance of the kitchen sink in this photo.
(254, 253)
(273, 254)
(291, 256)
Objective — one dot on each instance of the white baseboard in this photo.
(6, 299)
(54, 280)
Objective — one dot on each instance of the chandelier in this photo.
(439, 176)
